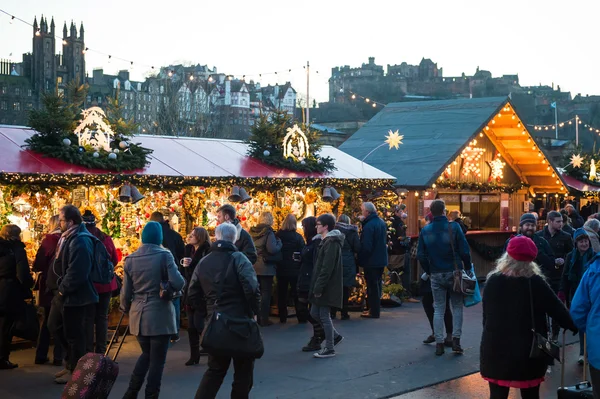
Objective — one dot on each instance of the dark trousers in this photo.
(406, 275)
(499, 392)
(345, 296)
(266, 289)
(595, 380)
(6, 324)
(428, 307)
(56, 326)
(43, 343)
(195, 327)
(98, 322)
(284, 284)
(217, 369)
(374, 287)
(555, 327)
(151, 361)
(304, 312)
(74, 323)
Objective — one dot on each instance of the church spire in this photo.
(35, 25)
(65, 30)
(52, 26)
(81, 31)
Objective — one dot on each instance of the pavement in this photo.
(379, 358)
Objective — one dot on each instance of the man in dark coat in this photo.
(576, 219)
(239, 298)
(527, 226)
(373, 256)
(326, 284)
(243, 241)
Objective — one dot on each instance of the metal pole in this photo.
(307, 92)
(556, 119)
(576, 130)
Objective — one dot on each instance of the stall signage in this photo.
(470, 198)
(78, 195)
(450, 198)
(490, 198)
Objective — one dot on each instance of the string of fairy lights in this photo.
(367, 100)
(567, 123)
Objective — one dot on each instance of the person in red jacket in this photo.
(100, 319)
(42, 263)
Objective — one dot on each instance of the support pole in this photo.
(556, 119)
(576, 130)
(308, 92)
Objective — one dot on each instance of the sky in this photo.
(542, 41)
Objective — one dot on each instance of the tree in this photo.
(121, 127)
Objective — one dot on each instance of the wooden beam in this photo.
(508, 157)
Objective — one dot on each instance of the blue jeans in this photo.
(177, 304)
(151, 361)
(441, 286)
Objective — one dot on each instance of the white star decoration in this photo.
(497, 167)
(394, 139)
(576, 160)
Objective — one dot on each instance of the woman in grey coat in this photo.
(268, 251)
(151, 318)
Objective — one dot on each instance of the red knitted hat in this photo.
(522, 248)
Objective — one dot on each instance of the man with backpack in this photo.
(76, 265)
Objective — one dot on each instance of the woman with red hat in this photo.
(508, 319)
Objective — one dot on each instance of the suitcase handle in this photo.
(112, 340)
(583, 385)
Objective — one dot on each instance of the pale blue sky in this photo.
(543, 41)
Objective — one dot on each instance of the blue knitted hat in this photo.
(152, 233)
(579, 234)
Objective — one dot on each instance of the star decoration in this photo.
(496, 167)
(576, 160)
(394, 139)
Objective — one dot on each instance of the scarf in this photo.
(63, 238)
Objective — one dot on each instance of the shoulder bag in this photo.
(167, 292)
(541, 347)
(231, 336)
(464, 283)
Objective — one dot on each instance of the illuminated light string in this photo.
(567, 123)
(367, 100)
(131, 63)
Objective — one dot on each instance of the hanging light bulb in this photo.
(354, 96)
(109, 58)
(416, 193)
(374, 105)
(64, 42)
(85, 50)
(367, 100)
(12, 18)
(37, 32)
(131, 67)
(191, 77)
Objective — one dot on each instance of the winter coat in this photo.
(576, 219)
(575, 265)
(373, 243)
(77, 259)
(291, 242)
(230, 268)
(561, 244)
(544, 258)
(268, 248)
(568, 229)
(398, 235)
(244, 242)
(462, 225)
(350, 248)
(585, 310)
(15, 278)
(308, 257)
(112, 253)
(507, 336)
(594, 240)
(328, 274)
(44, 260)
(149, 315)
(196, 255)
(173, 242)
(434, 251)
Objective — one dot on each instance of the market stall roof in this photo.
(579, 185)
(435, 133)
(181, 157)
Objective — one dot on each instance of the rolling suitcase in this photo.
(583, 389)
(95, 373)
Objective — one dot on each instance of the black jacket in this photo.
(373, 240)
(196, 255)
(568, 229)
(15, 278)
(291, 242)
(240, 293)
(397, 235)
(462, 225)
(576, 219)
(561, 244)
(350, 248)
(545, 257)
(507, 322)
(173, 242)
(244, 242)
(307, 264)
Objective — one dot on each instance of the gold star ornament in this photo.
(394, 139)
(576, 160)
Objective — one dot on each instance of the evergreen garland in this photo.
(481, 187)
(266, 143)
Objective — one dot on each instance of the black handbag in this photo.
(27, 325)
(463, 282)
(541, 347)
(167, 292)
(231, 336)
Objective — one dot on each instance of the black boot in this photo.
(456, 348)
(152, 395)
(194, 357)
(194, 339)
(135, 384)
(439, 349)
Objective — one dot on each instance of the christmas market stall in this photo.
(475, 154)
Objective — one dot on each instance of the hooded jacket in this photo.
(15, 279)
(291, 242)
(576, 264)
(244, 242)
(267, 248)
(328, 274)
(350, 249)
(373, 241)
(585, 310)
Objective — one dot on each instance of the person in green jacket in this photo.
(326, 284)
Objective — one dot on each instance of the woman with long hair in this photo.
(198, 246)
(512, 289)
(289, 267)
(15, 287)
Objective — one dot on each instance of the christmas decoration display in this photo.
(393, 139)
(496, 167)
(470, 157)
(482, 187)
(576, 161)
(93, 130)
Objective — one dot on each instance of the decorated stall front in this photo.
(475, 154)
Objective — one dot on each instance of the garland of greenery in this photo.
(266, 143)
(111, 221)
(487, 252)
(481, 187)
(56, 121)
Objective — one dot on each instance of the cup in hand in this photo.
(185, 262)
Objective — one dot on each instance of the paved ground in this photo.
(378, 359)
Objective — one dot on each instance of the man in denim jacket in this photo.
(438, 259)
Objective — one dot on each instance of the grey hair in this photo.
(593, 224)
(369, 207)
(226, 232)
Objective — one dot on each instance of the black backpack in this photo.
(103, 270)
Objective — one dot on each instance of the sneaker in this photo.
(313, 345)
(175, 338)
(64, 378)
(337, 340)
(580, 360)
(61, 373)
(323, 353)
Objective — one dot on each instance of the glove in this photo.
(562, 296)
